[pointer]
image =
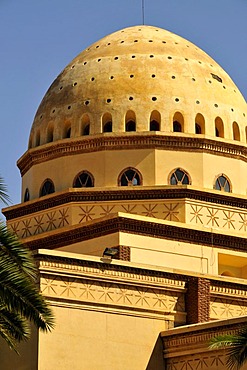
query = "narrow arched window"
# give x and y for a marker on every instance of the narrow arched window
(219, 127)
(68, 133)
(26, 195)
(47, 188)
(50, 134)
(84, 180)
(130, 121)
(177, 127)
(179, 177)
(178, 122)
(86, 130)
(155, 119)
(130, 177)
(235, 131)
(130, 126)
(198, 129)
(107, 127)
(154, 126)
(37, 141)
(107, 122)
(222, 183)
(199, 124)
(85, 124)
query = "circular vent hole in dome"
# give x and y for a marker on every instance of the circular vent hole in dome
(135, 40)
(116, 58)
(53, 111)
(75, 83)
(197, 102)
(153, 76)
(232, 109)
(87, 102)
(173, 77)
(131, 76)
(97, 47)
(99, 60)
(224, 87)
(154, 98)
(169, 57)
(133, 56)
(151, 56)
(193, 79)
(150, 40)
(69, 106)
(163, 42)
(108, 100)
(41, 117)
(84, 63)
(199, 62)
(244, 114)
(73, 66)
(176, 99)
(92, 79)
(131, 98)
(112, 77)
(61, 87)
(109, 43)
(122, 41)
(216, 105)
(186, 59)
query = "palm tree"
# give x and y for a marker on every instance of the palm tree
(236, 348)
(20, 299)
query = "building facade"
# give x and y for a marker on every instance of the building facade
(138, 146)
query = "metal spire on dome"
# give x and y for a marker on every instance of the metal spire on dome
(143, 8)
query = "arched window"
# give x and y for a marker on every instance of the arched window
(47, 188)
(178, 122)
(219, 127)
(222, 183)
(177, 127)
(130, 121)
(86, 130)
(50, 134)
(107, 127)
(84, 180)
(26, 195)
(179, 177)
(155, 119)
(130, 177)
(235, 131)
(85, 124)
(37, 141)
(68, 133)
(199, 124)
(107, 122)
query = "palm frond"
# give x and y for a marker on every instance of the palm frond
(4, 197)
(221, 341)
(237, 353)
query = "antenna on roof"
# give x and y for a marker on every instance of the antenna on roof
(143, 12)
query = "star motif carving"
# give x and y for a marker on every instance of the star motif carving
(149, 210)
(26, 228)
(229, 219)
(196, 215)
(86, 214)
(38, 225)
(129, 208)
(63, 217)
(15, 227)
(107, 210)
(243, 221)
(170, 212)
(69, 288)
(51, 221)
(213, 219)
(48, 286)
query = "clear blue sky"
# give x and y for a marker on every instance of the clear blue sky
(38, 38)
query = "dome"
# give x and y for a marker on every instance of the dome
(140, 74)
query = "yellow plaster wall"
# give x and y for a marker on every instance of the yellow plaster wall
(92, 340)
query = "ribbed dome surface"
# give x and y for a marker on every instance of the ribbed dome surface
(137, 73)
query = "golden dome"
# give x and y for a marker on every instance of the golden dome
(139, 73)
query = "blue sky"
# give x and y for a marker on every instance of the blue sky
(39, 38)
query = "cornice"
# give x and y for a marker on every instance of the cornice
(122, 194)
(127, 142)
(118, 223)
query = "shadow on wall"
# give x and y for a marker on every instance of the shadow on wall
(157, 361)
